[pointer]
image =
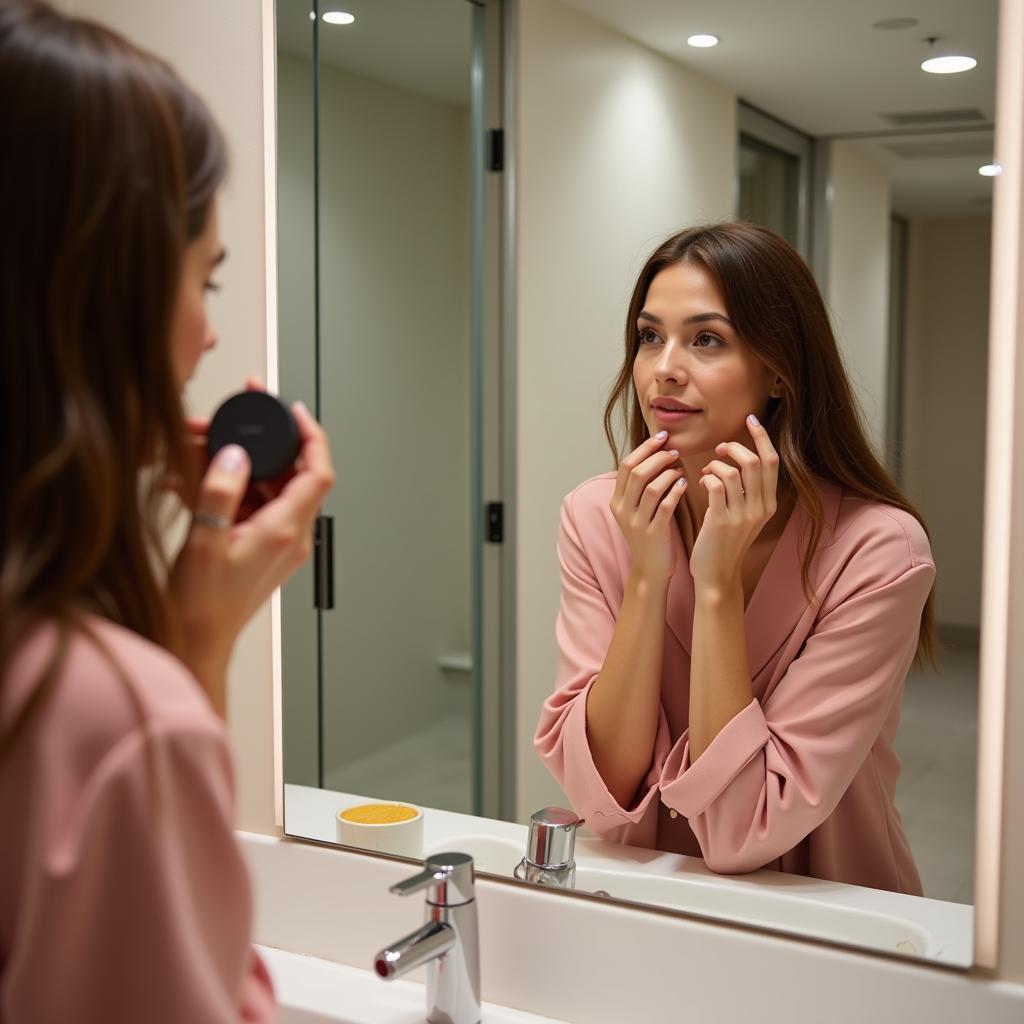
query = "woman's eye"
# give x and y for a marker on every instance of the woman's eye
(707, 336)
(211, 286)
(646, 336)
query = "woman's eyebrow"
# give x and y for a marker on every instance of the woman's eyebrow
(700, 318)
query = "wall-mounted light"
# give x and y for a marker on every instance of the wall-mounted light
(951, 65)
(703, 40)
(338, 17)
(991, 170)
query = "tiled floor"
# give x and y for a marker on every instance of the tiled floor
(432, 769)
(937, 743)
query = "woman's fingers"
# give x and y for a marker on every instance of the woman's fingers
(732, 482)
(716, 495)
(670, 502)
(654, 494)
(641, 476)
(749, 466)
(220, 492)
(641, 452)
(769, 459)
(286, 522)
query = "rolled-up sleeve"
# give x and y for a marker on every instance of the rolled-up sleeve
(583, 631)
(775, 772)
(141, 908)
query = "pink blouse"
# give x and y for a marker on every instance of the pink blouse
(123, 895)
(802, 779)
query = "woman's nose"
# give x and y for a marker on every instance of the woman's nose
(669, 367)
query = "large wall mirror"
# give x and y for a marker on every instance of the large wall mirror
(467, 192)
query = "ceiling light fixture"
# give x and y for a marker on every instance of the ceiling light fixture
(702, 40)
(991, 170)
(951, 65)
(338, 17)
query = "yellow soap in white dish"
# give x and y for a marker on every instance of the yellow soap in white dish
(388, 826)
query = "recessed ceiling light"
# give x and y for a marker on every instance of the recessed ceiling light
(991, 170)
(703, 40)
(338, 17)
(948, 65)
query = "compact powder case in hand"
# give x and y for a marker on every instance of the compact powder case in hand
(263, 425)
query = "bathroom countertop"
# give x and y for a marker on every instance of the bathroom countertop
(310, 814)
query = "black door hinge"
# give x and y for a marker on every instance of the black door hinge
(496, 149)
(323, 563)
(495, 522)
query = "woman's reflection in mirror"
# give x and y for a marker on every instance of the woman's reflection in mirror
(743, 597)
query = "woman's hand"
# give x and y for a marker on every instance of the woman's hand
(258, 493)
(226, 569)
(740, 502)
(648, 490)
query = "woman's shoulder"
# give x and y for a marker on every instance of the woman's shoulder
(110, 679)
(889, 531)
(591, 496)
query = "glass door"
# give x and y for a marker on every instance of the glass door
(384, 692)
(773, 186)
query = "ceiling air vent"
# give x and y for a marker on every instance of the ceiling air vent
(922, 118)
(979, 146)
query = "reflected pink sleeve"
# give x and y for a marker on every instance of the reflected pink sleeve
(584, 628)
(141, 908)
(775, 773)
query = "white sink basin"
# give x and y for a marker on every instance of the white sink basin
(723, 898)
(312, 991)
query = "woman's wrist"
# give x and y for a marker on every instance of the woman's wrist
(647, 586)
(210, 668)
(718, 594)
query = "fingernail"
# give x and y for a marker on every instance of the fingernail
(681, 482)
(660, 435)
(301, 406)
(673, 451)
(232, 458)
(753, 420)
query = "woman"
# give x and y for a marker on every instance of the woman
(123, 896)
(742, 599)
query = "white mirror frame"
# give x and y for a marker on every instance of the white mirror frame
(999, 828)
(998, 825)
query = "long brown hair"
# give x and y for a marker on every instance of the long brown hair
(816, 426)
(108, 169)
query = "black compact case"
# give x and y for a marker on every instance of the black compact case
(263, 425)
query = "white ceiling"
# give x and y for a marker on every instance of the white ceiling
(818, 65)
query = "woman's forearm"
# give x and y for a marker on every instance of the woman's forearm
(622, 707)
(719, 673)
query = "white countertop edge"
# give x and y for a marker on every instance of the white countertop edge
(309, 814)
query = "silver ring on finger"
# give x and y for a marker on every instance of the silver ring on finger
(212, 520)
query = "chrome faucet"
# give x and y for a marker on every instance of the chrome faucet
(550, 848)
(448, 942)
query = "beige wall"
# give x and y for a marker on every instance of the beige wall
(944, 411)
(858, 278)
(618, 147)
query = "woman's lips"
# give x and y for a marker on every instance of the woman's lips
(673, 415)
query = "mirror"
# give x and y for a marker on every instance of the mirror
(467, 193)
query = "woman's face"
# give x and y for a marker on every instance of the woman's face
(690, 353)
(191, 332)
